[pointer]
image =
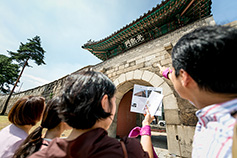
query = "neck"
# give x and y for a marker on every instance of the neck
(55, 132)
(209, 98)
(52, 133)
(77, 132)
(25, 128)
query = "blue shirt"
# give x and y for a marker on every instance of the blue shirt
(214, 131)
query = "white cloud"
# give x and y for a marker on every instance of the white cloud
(28, 81)
(35, 79)
(40, 75)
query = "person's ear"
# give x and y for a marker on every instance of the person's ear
(104, 102)
(186, 79)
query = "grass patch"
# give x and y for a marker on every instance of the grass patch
(3, 121)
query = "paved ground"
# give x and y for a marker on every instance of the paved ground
(159, 141)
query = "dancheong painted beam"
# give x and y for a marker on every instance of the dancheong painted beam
(162, 19)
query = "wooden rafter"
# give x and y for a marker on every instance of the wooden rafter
(187, 7)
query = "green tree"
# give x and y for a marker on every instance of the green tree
(8, 73)
(32, 50)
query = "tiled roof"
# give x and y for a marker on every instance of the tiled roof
(162, 19)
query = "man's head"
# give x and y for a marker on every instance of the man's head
(208, 55)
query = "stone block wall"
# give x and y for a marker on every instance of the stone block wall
(47, 91)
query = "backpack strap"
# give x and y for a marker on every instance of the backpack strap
(124, 149)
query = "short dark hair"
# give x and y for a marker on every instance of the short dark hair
(80, 104)
(27, 110)
(208, 55)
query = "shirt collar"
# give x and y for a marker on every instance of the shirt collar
(215, 111)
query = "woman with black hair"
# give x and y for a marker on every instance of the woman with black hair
(51, 122)
(88, 106)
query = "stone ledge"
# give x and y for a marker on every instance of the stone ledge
(137, 74)
(172, 117)
(147, 75)
(170, 102)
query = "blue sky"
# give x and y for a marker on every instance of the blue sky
(65, 25)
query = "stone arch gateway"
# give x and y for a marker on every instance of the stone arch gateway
(125, 82)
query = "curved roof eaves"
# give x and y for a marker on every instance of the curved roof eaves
(132, 23)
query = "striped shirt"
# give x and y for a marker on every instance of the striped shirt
(214, 131)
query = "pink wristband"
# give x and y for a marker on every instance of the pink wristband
(146, 130)
(166, 72)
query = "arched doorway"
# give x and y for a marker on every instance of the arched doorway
(126, 119)
(125, 82)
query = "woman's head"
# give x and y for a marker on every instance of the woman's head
(27, 110)
(50, 117)
(81, 100)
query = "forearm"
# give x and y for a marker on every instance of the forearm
(147, 145)
(145, 133)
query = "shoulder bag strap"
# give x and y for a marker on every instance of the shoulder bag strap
(124, 149)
